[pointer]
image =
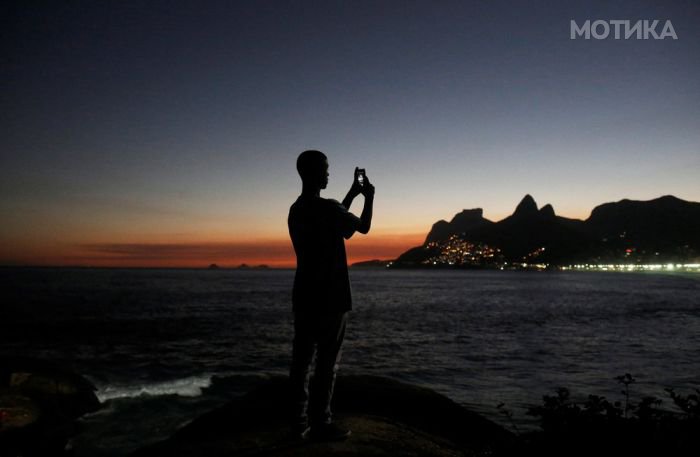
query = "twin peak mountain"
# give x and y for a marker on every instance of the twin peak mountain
(660, 230)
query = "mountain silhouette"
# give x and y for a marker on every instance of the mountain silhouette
(666, 225)
(527, 208)
(547, 211)
(466, 221)
(663, 229)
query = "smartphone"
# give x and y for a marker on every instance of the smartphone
(361, 176)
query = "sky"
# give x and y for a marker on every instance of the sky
(165, 133)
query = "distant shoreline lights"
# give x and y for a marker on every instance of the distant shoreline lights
(694, 267)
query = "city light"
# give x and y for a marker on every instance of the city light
(684, 267)
(458, 252)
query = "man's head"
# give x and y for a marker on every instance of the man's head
(312, 166)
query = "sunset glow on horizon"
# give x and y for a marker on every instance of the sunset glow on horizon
(274, 253)
(162, 135)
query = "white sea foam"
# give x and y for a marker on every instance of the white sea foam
(185, 387)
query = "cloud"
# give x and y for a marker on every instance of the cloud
(188, 253)
(214, 251)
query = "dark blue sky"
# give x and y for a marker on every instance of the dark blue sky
(181, 121)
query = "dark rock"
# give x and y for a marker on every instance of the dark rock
(527, 207)
(415, 256)
(662, 224)
(547, 211)
(375, 263)
(664, 229)
(441, 230)
(39, 402)
(387, 418)
(463, 222)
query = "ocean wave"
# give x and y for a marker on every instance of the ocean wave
(184, 387)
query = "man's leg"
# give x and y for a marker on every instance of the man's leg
(302, 355)
(331, 333)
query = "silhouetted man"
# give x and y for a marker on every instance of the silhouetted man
(321, 298)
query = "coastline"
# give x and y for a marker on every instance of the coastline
(479, 338)
(389, 417)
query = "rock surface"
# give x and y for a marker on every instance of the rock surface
(386, 417)
(39, 402)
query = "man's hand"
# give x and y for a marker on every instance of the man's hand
(356, 188)
(367, 189)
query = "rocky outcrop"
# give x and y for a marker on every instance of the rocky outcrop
(374, 263)
(547, 211)
(666, 229)
(466, 221)
(661, 224)
(387, 418)
(39, 402)
(526, 208)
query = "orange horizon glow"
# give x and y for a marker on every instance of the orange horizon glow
(188, 247)
(274, 253)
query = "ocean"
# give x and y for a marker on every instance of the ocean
(165, 345)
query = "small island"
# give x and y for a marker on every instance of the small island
(245, 266)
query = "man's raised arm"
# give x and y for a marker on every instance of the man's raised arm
(366, 216)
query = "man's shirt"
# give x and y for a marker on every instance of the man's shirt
(318, 227)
